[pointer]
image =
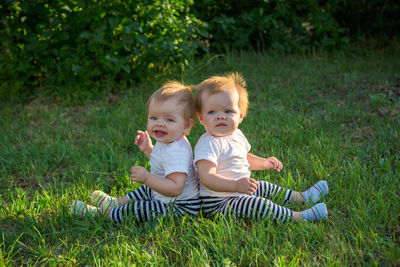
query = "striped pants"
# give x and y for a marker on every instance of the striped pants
(256, 206)
(144, 207)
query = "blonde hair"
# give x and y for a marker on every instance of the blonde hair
(182, 92)
(216, 84)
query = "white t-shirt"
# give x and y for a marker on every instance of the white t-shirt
(228, 153)
(175, 157)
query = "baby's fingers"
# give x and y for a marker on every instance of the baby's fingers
(137, 140)
(252, 186)
(252, 181)
(280, 166)
(252, 189)
(146, 135)
(141, 137)
(277, 165)
(142, 134)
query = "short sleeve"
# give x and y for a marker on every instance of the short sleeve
(176, 159)
(244, 140)
(248, 146)
(206, 149)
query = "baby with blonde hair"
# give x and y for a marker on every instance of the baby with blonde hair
(171, 184)
(224, 163)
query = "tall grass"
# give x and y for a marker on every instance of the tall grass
(325, 117)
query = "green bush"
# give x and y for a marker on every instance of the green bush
(379, 19)
(285, 26)
(91, 45)
(290, 26)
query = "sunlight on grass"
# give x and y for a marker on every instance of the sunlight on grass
(324, 117)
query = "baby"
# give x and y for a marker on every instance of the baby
(224, 163)
(172, 184)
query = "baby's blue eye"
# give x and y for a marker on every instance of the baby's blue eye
(211, 112)
(153, 118)
(228, 111)
(171, 120)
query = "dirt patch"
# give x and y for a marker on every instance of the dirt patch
(33, 182)
(361, 133)
(113, 99)
(360, 90)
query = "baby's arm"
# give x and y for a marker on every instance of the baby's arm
(170, 186)
(143, 141)
(257, 163)
(209, 177)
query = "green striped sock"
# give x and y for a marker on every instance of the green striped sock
(316, 192)
(80, 209)
(316, 213)
(103, 201)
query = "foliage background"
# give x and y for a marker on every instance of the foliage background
(81, 48)
(78, 46)
(297, 26)
(324, 86)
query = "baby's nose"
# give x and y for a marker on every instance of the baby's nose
(220, 116)
(160, 123)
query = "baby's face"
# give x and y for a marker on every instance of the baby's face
(165, 121)
(220, 114)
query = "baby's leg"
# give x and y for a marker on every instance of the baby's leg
(311, 196)
(142, 193)
(141, 210)
(81, 209)
(316, 192)
(316, 213)
(149, 208)
(268, 190)
(255, 207)
(211, 205)
(187, 206)
(260, 208)
(106, 202)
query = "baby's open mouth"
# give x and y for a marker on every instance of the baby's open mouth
(159, 133)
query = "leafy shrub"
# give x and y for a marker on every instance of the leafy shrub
(92, 45)
(285, 26)
(379, 19)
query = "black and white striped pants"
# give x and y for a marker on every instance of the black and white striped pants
(144, 207)
(257, 205)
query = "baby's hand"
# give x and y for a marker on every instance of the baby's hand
(273, 164)
(246, 186)
(139, 174)
(143, 141)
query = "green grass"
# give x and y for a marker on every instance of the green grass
(325, 117)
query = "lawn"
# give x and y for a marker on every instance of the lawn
(331, 117)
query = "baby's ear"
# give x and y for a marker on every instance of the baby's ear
(189, 124)
(199, 117)
(241, 117)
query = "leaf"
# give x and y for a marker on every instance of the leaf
(112, 22)
(141, 39)
(112, 59)
(99, 37)
(126, 68)
(84, 35)
(76, 68)
(65, 7)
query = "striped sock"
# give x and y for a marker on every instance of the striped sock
(103, 201)
(316, 192)
(316, 213)
(80, 209)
